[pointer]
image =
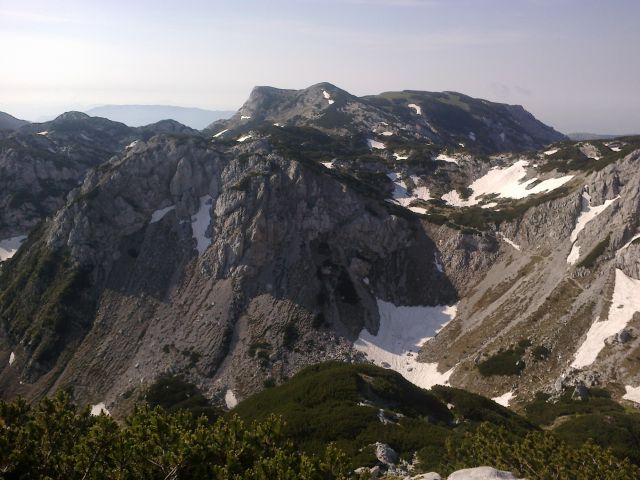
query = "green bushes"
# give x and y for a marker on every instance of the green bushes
(505, 362)
(543, 411)
(56, 440)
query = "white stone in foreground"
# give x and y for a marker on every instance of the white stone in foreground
(625, 302)
(481, 473)
(230, 399)
(402, 332)
(99, 409)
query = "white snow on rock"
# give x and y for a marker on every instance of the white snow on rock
(624, 303)
(481, 473)
(400, 156)
(506, 183)
(375, 144)
(220, 133)
(200, 222)
(402, 196)
(489, 205)
(443, 157)
(588, 213)
(132, 144)
(633, 393)
(420, 210)
(574, 254)
(387, 134)
(159, 214)
(99, 409)
(244, 137)
(626, 245)
(12, 358)
(472, 136)
(327, 96)
(245, 117)
(402, 332)
(510, 242)
(43, 133)
(504, 399)
(417, 108)
(551, 152)
(230, 399)
(10, 246)
(615, 149)
(328, 164)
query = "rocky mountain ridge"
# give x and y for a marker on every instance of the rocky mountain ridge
(237, 259)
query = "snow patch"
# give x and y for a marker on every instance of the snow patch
(375, 144)
(99, 409)
(402, 196)
(132, 144)
(417, 108)
(220, 133)
(387, 134)
(510, 242)
(159, 214)
(200, 223)
(402, 332)
(443, 157)
(244, 137)
(506, 183)
(504, 399)
(626, 245)
(12, 358)
(624, 303)
(328, 97)
(400, 156)
(588, 213)
(574, 254)
(245, 117)
(551, 152)
(10, 246)
(43, 133)
(230, 399)
(472, 136)
(329, 165)
(633, 393)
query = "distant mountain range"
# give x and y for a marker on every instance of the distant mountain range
(7, 122)
(140, 115)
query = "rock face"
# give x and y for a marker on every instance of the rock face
(7, 122)
(41, 163)
(481, 473)
(238, 262)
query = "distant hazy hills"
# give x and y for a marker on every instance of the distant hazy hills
(140, 115)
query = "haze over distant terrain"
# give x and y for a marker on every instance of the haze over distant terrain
(570, 62)
(141, 115)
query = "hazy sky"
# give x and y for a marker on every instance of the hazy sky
(573, 63)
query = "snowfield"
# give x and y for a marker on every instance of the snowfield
(624, 303)
(504, 399)
(417, 108)
(230, 399)
(574, 254)
(376, 144)
(98, 409)
(505, 183)
(588, 213)
(551, 152)
(244, 138)
(220, 133)
(327, 96)
(200, 222)
(10, 246)
(403, 330)
(633, 393)
(446, 158)
(402, 196)
(159, 214)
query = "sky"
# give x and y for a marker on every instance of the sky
(572, 63)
